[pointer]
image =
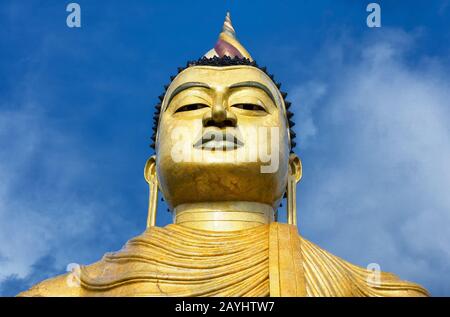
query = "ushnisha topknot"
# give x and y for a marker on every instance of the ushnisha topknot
(227, 44)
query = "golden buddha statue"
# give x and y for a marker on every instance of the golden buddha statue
(224, 161)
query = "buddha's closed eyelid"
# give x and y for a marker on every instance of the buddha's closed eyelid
(186, 86)
(191, 107)
(189, 100)
(249, 107)
(251, 96)
(254, 84)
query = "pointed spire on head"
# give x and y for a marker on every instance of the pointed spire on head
(227, 44)
(228, 26)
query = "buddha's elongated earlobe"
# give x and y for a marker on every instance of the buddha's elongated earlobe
(294, 176)
(152, 180)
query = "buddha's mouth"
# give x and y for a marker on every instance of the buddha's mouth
(221, 141)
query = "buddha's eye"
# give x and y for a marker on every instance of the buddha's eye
(191, 107)
(249, 106)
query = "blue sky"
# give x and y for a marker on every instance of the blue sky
(372, 116)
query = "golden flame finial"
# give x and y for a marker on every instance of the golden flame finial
(228, 26)
(227, 44)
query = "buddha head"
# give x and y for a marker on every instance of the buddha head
(222, 131)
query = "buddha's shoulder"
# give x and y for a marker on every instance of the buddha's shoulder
(66, 285)
(340, 278)
(59, 286)
(70, 285)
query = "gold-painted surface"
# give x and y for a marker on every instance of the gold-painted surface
(224, 241)
(185, 259)
(267, 260)
(286, 263)
(150, 177)
(295, 175)
(223, 216)
(228, 34)
(213, 178)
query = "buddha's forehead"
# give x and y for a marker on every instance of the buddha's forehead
(223, 74)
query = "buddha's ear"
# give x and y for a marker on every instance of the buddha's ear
(150, 169)
(295, 167)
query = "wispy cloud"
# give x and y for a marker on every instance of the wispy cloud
(376, 149)
(42, 209)
(53, 210)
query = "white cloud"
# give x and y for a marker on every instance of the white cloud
(377, 172)
(38, 207)
(308, 96)
(55, 203)
(49, 203)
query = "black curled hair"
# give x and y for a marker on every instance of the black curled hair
(222, 62)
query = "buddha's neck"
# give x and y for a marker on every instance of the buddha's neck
(223, 216)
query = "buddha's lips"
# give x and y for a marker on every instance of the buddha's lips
(212, 140)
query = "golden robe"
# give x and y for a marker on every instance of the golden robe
(268, 260)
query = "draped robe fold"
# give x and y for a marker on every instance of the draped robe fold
(268, 260)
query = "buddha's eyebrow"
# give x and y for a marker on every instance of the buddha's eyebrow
(185, 86)
(254, 84)
(244, 84)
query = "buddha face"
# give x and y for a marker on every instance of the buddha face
(222, 136)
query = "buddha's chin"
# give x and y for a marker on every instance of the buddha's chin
(185, 182)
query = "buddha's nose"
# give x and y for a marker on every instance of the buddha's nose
(219, 117)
